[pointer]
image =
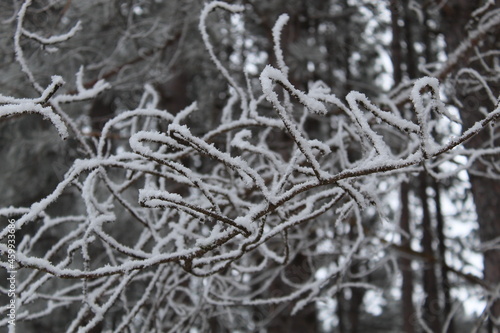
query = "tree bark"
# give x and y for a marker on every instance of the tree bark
(432, 309)
(455, 16)
(304, 321)
(408, 309)
(405, 263)
(396, 51)
(445, 284)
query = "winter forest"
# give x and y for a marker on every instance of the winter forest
(250, 166)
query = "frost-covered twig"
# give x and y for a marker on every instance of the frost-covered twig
(37, 105)
(194, 223)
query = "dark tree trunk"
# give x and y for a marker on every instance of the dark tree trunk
(357, 295)
(445, 284)
(408, 309)
(455, 16)
(396, 51)
(431, 310)
(305, 321)
(405, 263)
(430, 56)
(340, 311)
(354, 308)
(431, 307)
(411, 58)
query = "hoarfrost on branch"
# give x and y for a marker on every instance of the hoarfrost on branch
(193, 238)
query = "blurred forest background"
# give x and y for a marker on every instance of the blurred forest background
(435, 269)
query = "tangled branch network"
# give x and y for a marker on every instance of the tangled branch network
(178, 228)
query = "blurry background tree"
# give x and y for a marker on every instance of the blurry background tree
(173, 231)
